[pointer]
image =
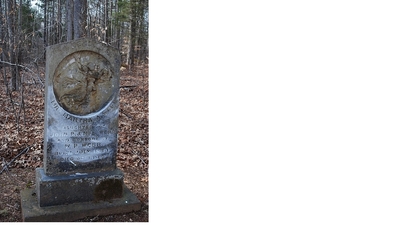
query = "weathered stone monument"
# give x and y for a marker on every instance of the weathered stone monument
(79, 177)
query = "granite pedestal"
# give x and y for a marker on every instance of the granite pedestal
(63, 213)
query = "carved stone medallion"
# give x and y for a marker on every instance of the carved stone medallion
(83, 82)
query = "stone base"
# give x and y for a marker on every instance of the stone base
(79, 187)
(31, 212)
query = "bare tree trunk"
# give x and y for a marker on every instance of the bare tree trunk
(11, 40)
(59, 28)
(115, 27)
(18, 50)
(1, 23)
(106, 21)
(70, 9)
(45, 31)
(53, 30)
(129, 54)
(77, 18)
(84, 16)
(97, 19)
(132, 34)
(111, 25)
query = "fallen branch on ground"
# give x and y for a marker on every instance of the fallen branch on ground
(127, 86)
(19, 154)
(94, 218)
(137, 154)
(130, 117)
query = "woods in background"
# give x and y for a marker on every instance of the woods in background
(27, 27)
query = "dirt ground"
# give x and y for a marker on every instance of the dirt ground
(21, 141)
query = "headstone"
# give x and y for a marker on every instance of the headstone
(79, 177)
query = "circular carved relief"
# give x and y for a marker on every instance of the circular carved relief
(83, 82)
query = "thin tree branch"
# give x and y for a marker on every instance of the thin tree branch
(24, 67)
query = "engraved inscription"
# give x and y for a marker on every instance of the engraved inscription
(83, 82)
(55, 105)
(76, 119)
(83, 140)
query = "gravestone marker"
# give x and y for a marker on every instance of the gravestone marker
(79, 177)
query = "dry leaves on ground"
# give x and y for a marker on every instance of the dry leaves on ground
(21, 125)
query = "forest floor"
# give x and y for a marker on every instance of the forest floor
(21, 141)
